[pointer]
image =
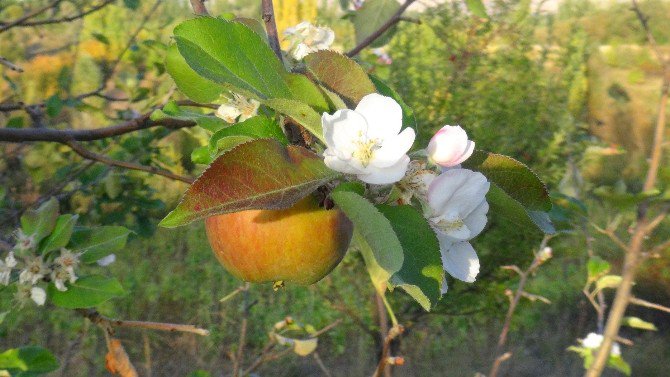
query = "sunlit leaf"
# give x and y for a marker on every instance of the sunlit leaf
(340, 74)
(260, 174)
(371, 16)
(41, 221)
(30, 359)
(98, 242)
(638, 323)
(300, 112)
(194, 86)
(597, 267)
(60, 236)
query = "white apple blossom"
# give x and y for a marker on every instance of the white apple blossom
(450, 147)
(63, 269)
(27, 292)
(305, 38)
(367, 141)
(23, 241)
(6, 267)
(34, 271)
(457, 212)
(106, 261)
(593, 341)
(416, 182)
(238, 106)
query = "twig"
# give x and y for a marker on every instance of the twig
(393, 333)
(85, 153)
(514, 302)
(268, 15)
(81, 14)
(28, 16)
(660, 247)
(394, 19)
(105, 322)
(647, 304)
(636, 245)
(10, 65)
(199, 7)
(321, 365)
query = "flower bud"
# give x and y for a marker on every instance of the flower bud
(450, 147)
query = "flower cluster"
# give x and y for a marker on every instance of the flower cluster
(32, 269)
(238, 107)
(369, 143)
(305, 38)
(593, 341)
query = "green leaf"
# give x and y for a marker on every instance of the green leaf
(202, 155)
(60, 235)
(254, 25)
(351, 186)
(31, 359)
(131, 4)
(608, 281)
(638, 323)
(371, 16)
(86, 292)
(618, 363)
(195, 87)
(514, 212)
(596, 268)
(173, 111)
(299, 112)
(95, 243)
(54, 105)
(304, 90)
(408, 118)
(230, 53)
(260, 174)
(375, 229)
(515, 178)
(477, 8)
(340, 74)
(422, 273)
(101, 38)
(41, 221)
(258, 127)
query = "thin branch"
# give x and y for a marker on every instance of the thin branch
(199, 7)
(321, 365)
(394, 19)
(268, 15)
(393, 333)
(647, 304)
(28, 16)
(660, 247)
(81, 14)
(85, 153)
(612, 236)
(106, 322)
(10, 65)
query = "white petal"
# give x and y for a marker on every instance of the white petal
(106, 261)
(300, 51)
(460, 260)
(38, 295)
(383, 114)
(459, 190)
(393, 148)
(60, 285)
(476, 220)
(341, 130)
(384, 176)
(338, 164)
(228, 113)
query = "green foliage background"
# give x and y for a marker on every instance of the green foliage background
(557, 91)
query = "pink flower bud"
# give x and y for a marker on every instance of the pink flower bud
(450, 146)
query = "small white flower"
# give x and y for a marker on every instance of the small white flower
(457, 213)
(416, 182)
(34, 271)
(450, 147)
(594, 341)
(6, 267)
(545, 254)
(64, 269)
(383, 57)
(106, 261)
(367, 141)
(238, 106)
(24, 242)
(306, 38)
(27, 292)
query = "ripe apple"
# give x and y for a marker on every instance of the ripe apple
(301, 244)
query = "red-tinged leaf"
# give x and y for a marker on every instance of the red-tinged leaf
(260, 174)
(340, 74)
